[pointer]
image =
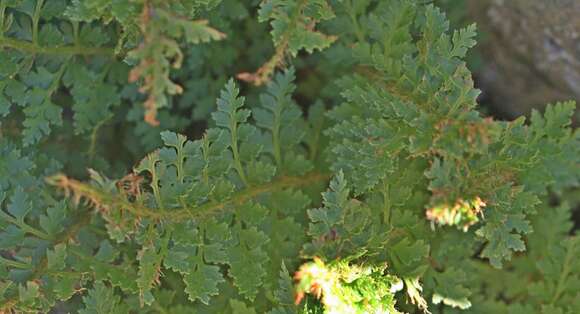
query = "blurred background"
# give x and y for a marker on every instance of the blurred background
(528, 51)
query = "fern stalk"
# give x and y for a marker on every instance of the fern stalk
(32, 48)
(102, 199)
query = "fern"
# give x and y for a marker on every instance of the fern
(293, 29)
(390, 193)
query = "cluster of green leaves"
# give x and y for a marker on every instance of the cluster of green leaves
(346, 288)
(75, 58)
(429, 207)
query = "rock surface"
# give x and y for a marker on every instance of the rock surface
(530, 51)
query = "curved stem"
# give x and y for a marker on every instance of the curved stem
(33, 48)
(15, 264)
(386, 202)
(94, 135)
(183, 213)
(2, 18)
(156, 189)
(24, 226)
(56, 81)
(565, 272)
(205, 153)
(235, 151)
(75, 26)
(353, 19)
(36, 20)
(276, 138)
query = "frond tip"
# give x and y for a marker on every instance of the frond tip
(78, 191)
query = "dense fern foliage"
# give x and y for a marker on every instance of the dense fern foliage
(346, 170)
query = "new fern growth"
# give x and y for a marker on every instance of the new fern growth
(391, 193)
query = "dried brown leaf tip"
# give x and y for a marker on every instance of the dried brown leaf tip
(160, 51)
(130, 185)
(78, 191)
(293, 30)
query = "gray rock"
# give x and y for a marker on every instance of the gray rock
(531, 52)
